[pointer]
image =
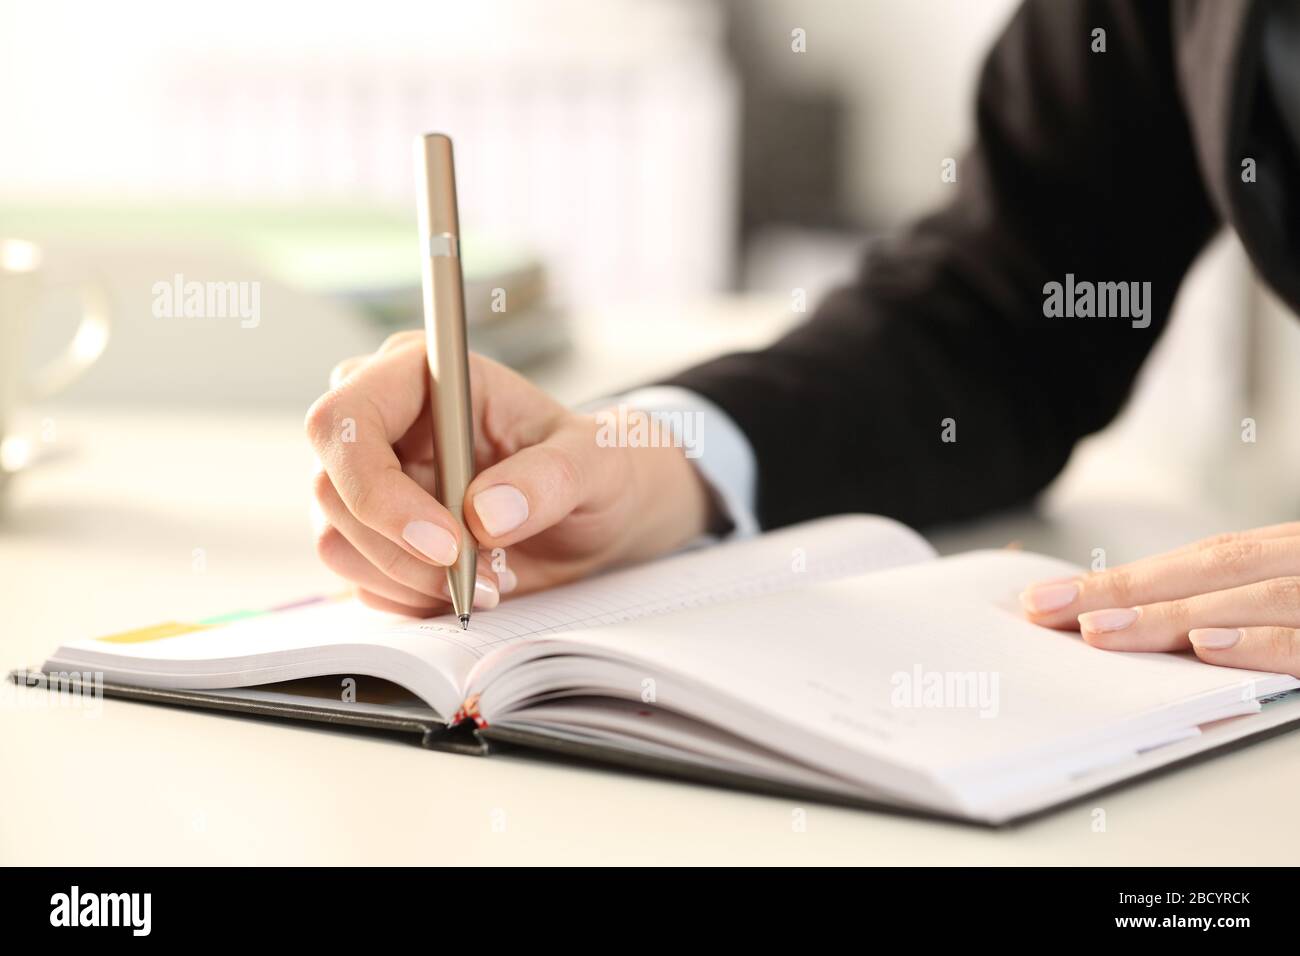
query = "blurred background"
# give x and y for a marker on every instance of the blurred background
(642, 182)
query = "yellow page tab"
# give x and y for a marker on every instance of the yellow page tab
(155, 632)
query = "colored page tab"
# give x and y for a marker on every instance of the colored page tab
(156, 632)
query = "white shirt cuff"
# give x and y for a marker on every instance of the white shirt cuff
(712, 442)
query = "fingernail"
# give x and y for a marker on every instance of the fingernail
(433, 542)
(501, 508)
(1214, 638)
(507, 580)
(1049, 597)
(1111, 619)
(485, 594)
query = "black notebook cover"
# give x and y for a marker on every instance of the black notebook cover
(434, 734)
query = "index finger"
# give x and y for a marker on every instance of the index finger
(1214, 565)
(353, 428)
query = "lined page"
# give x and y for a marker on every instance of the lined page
(349, 638)
(793, 557)
(930, 669)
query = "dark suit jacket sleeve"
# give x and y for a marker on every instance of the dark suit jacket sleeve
(1083, 164)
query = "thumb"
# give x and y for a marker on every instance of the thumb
(534, 488)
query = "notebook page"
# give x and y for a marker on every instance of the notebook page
(793, 557)
(929, 667)
(349, 638)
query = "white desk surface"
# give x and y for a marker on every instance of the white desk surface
(104, 538)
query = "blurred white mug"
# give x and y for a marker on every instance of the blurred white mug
(22, 286)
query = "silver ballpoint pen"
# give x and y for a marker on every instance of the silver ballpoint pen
(448, 352)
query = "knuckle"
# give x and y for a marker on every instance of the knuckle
(567, 471)
(340, 372)
(364, 505)
(1178, 613)
(399, 339)
(322, 487)
(1118, 584)
(1217, 540)
(1283, 642)
(320, 419)
(393, 562)
(329, 544)
(1283, 593)
(1230, 557)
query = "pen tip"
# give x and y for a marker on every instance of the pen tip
(464, 622)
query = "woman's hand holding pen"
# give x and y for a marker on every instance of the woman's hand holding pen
(560, 505)
(1234, 599)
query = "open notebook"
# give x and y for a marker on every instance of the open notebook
(841, 658)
